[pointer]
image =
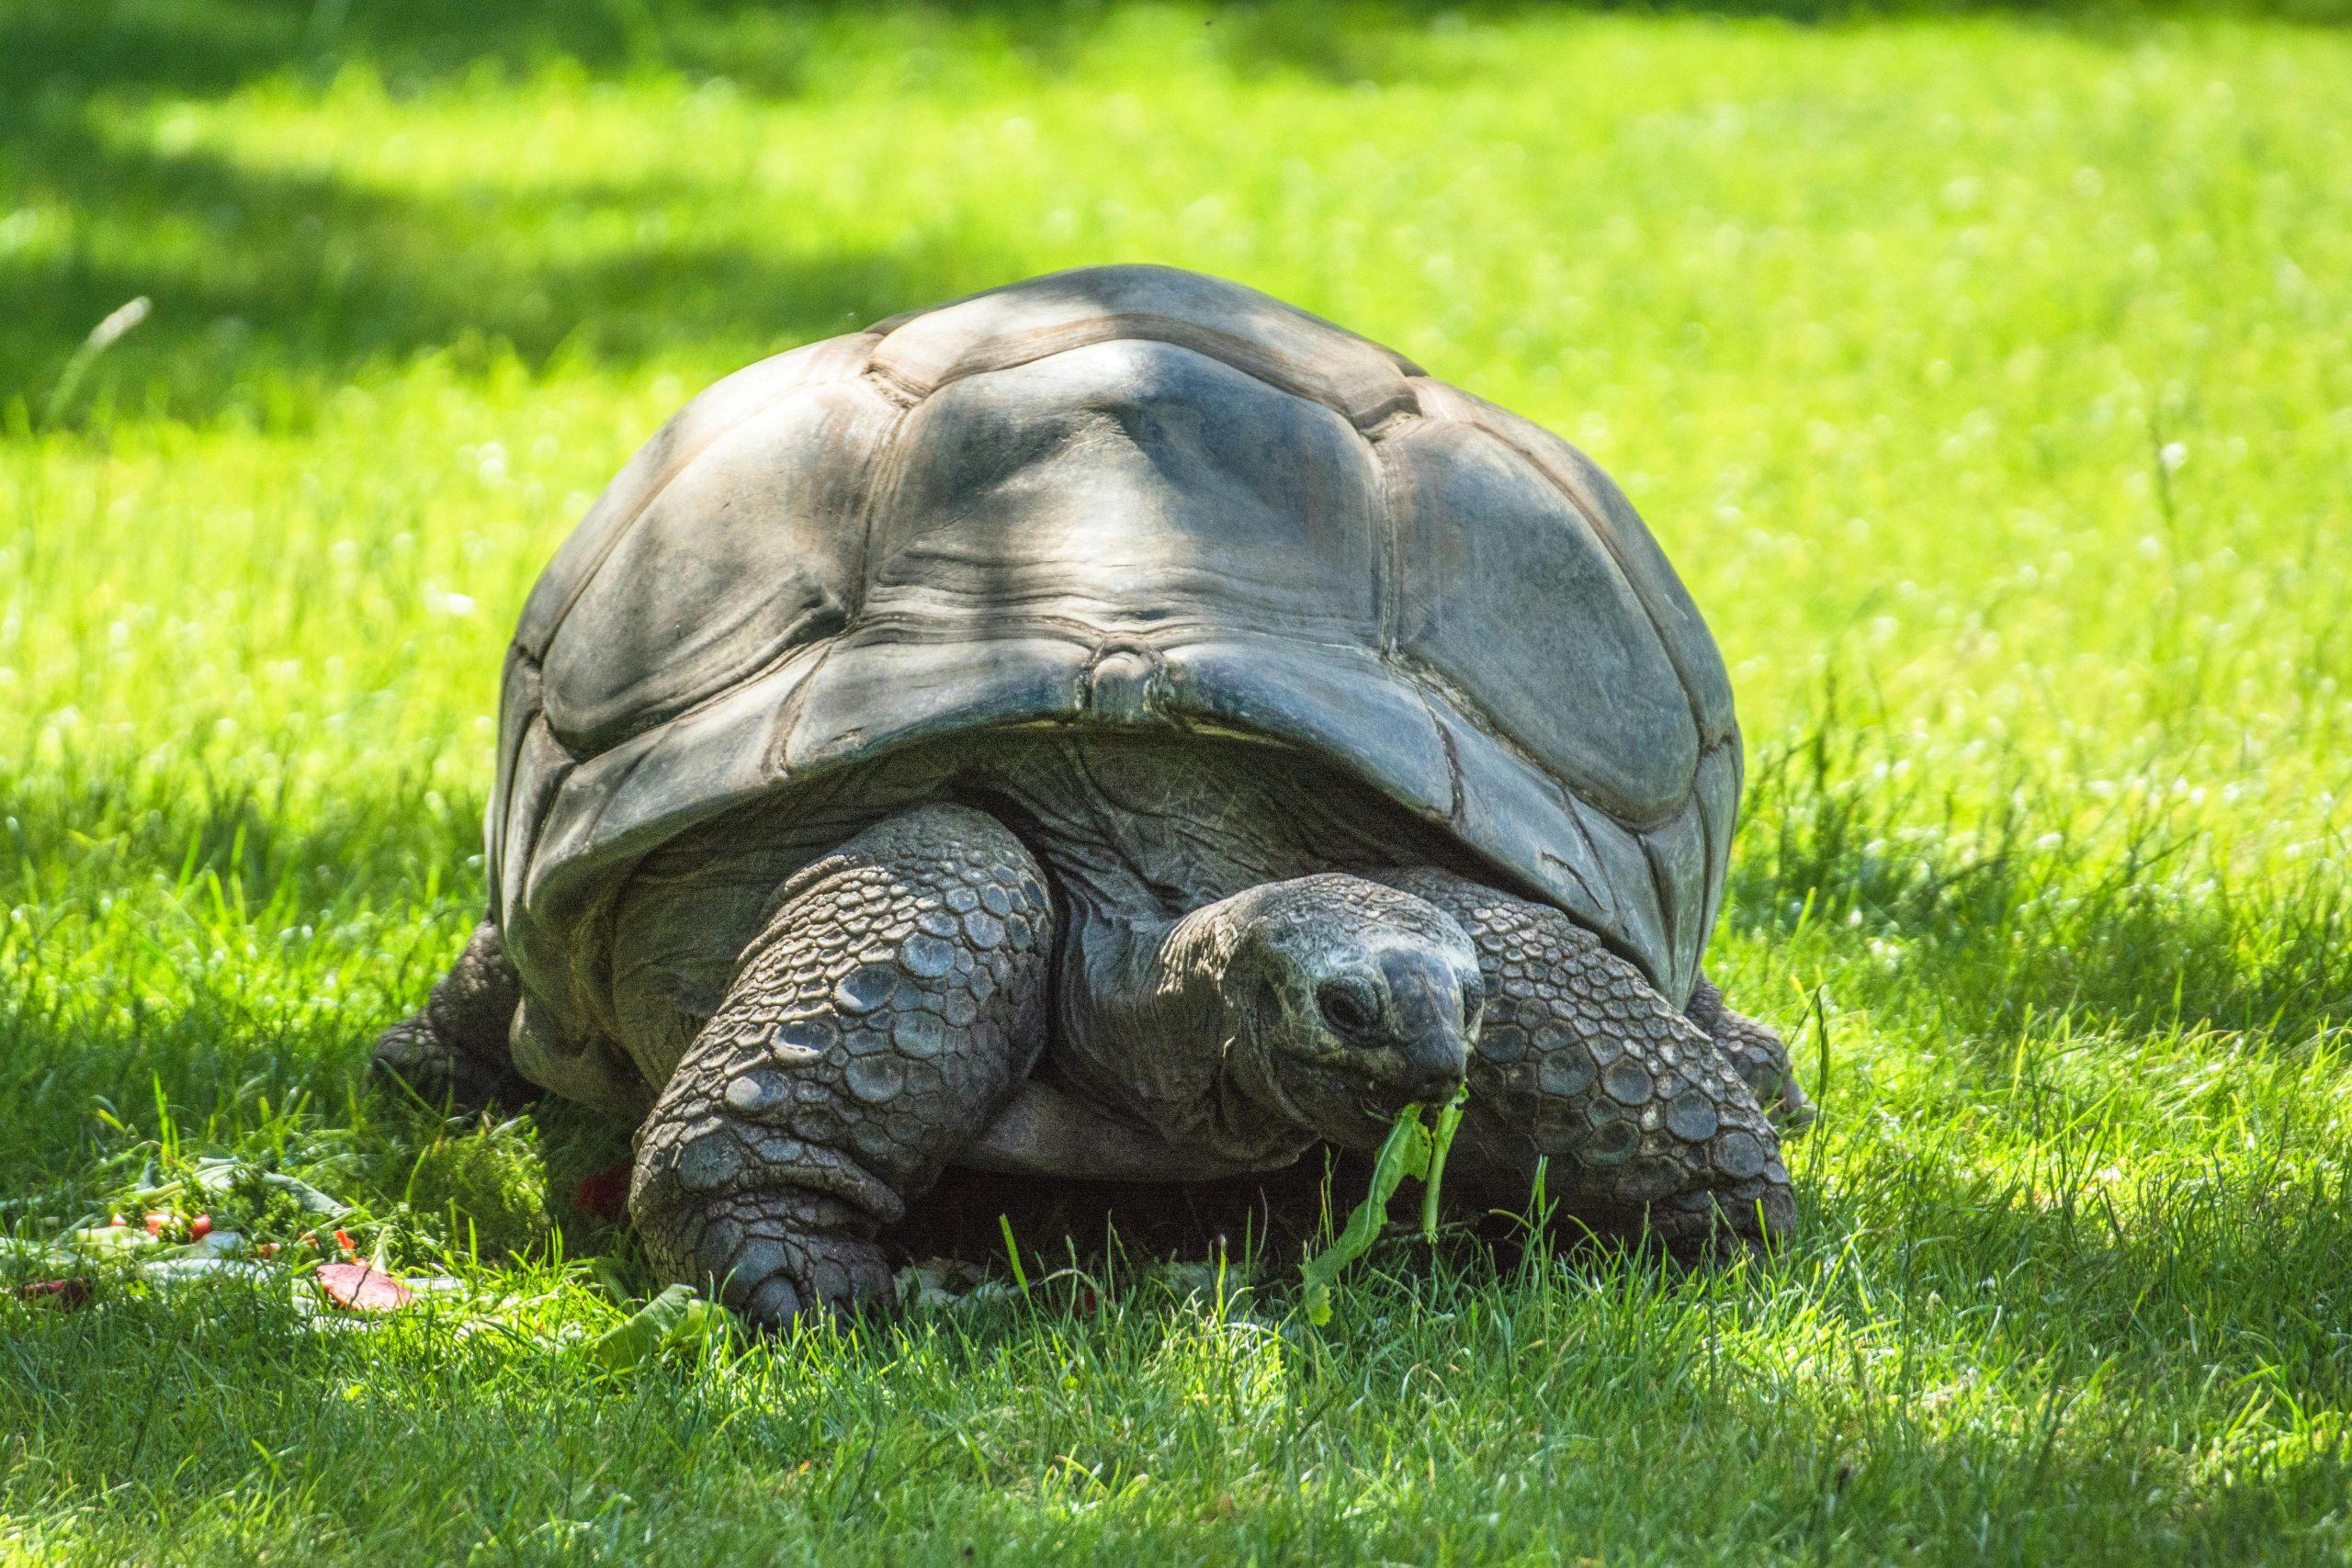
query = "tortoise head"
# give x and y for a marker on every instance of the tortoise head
(1346, 1002)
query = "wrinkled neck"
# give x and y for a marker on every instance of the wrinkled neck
(1148, 1026)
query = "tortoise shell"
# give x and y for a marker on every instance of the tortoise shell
(1126, 496)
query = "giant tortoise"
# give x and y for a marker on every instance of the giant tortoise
(1115, 726)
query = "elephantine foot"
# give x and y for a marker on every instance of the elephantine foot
(1758, 1056)
(769, 1255)
(455, 1050)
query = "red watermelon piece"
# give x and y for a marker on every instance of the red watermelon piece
(358, 1287)
(66, 1293)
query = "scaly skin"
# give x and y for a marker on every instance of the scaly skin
(455, 1048)
(1581, 1063)
(874, 1028)
(1758, 1056)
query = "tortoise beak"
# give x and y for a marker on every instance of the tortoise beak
(1408, 1025)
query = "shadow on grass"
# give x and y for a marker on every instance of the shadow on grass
(293, 283)
(199, 47)
(2107, 1423)
(255, 275)
(2133, 922)
(2231, 1261)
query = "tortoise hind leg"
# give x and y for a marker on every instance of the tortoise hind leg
(455, 1048)
(875, 1026)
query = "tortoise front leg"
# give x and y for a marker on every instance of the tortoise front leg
(876, 1025)
(1581, 1063)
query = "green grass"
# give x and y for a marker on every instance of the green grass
(1989, 376)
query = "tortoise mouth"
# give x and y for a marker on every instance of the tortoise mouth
(1348, 1109)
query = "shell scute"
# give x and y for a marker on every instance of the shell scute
(747, 553)
(1483, 543)
(1129, 485)
(1278, 343)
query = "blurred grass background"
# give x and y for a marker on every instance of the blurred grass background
(1985, 370)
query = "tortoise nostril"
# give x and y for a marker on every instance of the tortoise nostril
(1348, 1006)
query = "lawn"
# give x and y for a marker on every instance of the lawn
(1989, 376)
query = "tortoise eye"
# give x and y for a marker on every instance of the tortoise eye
(1348, 1006)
